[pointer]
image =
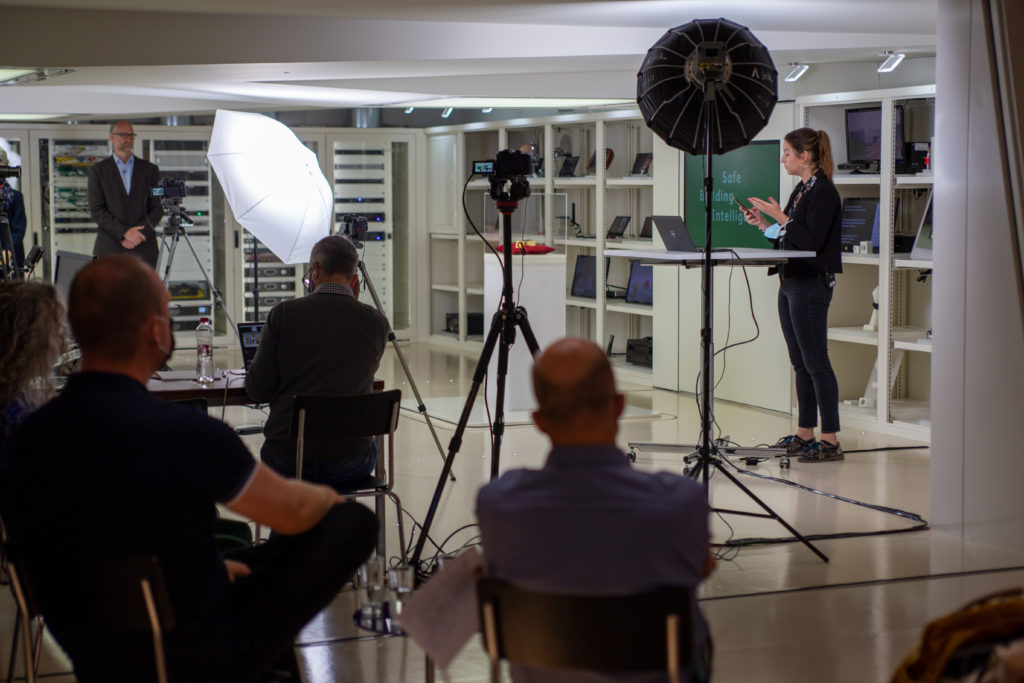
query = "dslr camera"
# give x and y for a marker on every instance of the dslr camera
(170, 189)
(507, 174)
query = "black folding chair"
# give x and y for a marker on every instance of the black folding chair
(319, 419)
(643, 632)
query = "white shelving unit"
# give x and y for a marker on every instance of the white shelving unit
(568, 212)
(900, 349)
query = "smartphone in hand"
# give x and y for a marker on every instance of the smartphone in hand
(740, 204)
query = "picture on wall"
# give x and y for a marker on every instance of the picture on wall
(750, 171)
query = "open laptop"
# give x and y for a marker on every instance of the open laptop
(674, 233)
(250, 334)
(618, 228)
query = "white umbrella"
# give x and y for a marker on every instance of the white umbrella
(273, 183)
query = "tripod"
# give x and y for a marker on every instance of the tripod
(503, 329)
(401, 357)
(177, 221)
(707, 454)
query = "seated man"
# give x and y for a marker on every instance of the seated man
(588, 523)
(108, 470)
(324, 344)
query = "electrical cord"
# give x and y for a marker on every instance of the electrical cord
(465, 210)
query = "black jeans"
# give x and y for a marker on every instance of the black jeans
(803, 314)
(293, 578)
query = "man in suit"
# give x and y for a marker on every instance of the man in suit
(121, 201)
(324, 344)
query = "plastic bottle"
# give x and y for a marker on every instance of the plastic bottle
(204, 351)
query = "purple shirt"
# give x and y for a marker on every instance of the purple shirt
(588, 523)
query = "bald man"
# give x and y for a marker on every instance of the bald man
(108, 470)
(588, 523)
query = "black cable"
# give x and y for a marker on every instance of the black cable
(469, 218)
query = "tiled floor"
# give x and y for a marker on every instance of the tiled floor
(777, 612)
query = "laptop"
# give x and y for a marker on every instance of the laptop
(646, 230)
(250, 334)
(922, 249)
(674, 233)
(618, 228)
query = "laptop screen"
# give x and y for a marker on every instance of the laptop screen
(250, 334)
(584, 279)
(860, 218)
(640, 289)
(618, 227)
(67, 266)
(922, 250)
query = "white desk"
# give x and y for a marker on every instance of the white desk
(747, 255)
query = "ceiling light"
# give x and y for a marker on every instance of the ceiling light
(487, 110)
(447, 112)
(796, 71)
(409, 110)
(13, 76)
(892, 60)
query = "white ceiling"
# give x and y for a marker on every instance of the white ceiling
(274, 54)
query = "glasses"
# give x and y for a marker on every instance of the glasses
(307, 279)
(126, 135)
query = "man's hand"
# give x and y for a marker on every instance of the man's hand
(133, 237)
(236, 569)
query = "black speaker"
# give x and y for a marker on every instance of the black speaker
(474, 323)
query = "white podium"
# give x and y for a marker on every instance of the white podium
(541, 291)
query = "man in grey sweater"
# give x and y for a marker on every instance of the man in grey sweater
(323, 344)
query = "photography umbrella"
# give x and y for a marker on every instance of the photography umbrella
(708, 87)
(720, 53)
(273, 183)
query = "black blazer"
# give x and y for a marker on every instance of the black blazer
(115, 211)
(814, 226)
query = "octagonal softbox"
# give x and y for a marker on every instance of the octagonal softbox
(670, 89)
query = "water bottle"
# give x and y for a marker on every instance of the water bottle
(204, 351)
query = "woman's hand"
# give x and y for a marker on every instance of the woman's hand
(755, 218)
(770, 207)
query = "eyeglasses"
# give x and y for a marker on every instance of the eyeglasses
(125, 135)
(307, 279)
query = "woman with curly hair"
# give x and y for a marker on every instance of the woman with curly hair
(31, 339)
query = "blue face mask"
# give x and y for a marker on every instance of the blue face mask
(772, 231)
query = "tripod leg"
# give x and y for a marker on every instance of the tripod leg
(170, 257)
(498, 431)
(401, 359)
(218, 299)
(523, 321)
(456, 442)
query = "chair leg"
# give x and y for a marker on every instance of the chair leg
(30, 670)
(382, 533)
(12, 662)
(401, 526)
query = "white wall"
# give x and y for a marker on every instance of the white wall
(978, 356)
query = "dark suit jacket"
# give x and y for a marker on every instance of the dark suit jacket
(115, 211)
(323, 344)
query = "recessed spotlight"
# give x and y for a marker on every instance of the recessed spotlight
(892, 60)
(409, 110)
(487, 110)
(447, 112)
(796, 71)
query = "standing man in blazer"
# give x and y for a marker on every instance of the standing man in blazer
(121, 201)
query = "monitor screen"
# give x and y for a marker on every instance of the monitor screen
(640, 289)
(859, 223)
(68, 263)
(645, 231)
(584, 279)
(863, 134)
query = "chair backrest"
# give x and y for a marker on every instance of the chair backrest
(129, 593)
(649, 631)
(329, 417)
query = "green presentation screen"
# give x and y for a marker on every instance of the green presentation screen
(751, 171)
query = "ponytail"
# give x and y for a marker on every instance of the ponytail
(825, 162)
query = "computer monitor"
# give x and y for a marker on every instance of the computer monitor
(250, 334)
(864, 135)
(584, 279)
(922, 249)
(640, 289)
(618, 227)
(859, 222)
(67, 264)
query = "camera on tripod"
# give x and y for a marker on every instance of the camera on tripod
(507, 174)
(170, 189)
(354, 227)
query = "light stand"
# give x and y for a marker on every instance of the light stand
(394, 344)
(506, 190)
(675, 68)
